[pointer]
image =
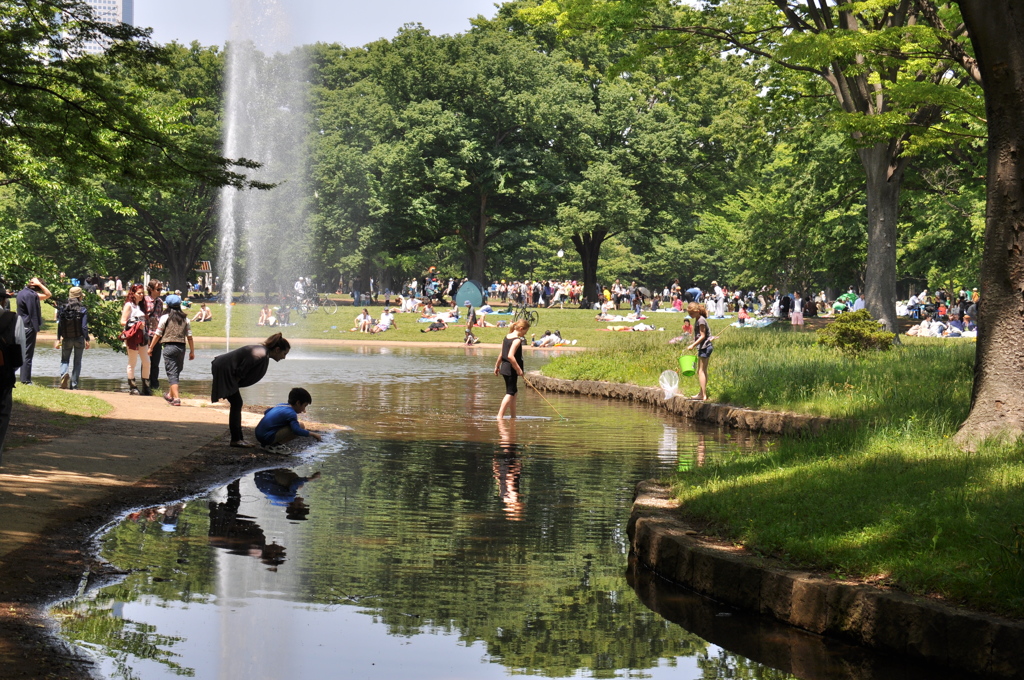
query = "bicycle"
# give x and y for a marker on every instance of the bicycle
(523, 313)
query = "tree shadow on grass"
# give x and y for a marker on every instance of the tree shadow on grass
(920, 514)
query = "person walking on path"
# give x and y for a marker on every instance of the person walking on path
(240, 368)
(702, 343)
(154, 308)
(12, 349)
(28, 301)
(510, 366)
(173, 331)
(133, 319)
(72, 337)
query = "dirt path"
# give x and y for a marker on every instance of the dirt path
(55, 494)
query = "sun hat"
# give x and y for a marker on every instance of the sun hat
(76, 292)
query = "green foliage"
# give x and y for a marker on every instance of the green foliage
(855, 333)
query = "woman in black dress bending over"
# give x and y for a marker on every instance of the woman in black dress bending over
(239, 368)
(510, 366)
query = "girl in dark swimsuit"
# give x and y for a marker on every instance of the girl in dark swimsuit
(510, 366)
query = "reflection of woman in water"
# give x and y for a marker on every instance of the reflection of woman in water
(240, 535)
(510, 366)
(507, 469)
(240, 368)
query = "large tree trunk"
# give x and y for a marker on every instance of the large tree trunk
(476, 244)
(588, 245)
(884, 178)
(997, 403)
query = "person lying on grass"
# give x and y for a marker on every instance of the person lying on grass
(438, 325)
(280, 424)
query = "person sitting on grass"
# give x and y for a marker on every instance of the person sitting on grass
(280, 424)
(364, 322)
(743, 315)
(266, 317)
(204, 314)
(387, 321)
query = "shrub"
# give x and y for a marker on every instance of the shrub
(855, 333)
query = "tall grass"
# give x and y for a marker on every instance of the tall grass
(885, 497)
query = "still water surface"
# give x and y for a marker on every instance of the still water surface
(427, 543)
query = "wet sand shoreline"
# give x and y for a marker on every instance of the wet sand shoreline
(56, 495)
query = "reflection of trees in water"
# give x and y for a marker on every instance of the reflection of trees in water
(429, 538)
(418, 533)
(176, 567)
(91, 623)
(728, 665)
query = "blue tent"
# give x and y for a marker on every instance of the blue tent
(471, 292)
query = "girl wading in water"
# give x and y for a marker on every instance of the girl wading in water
(240, 368)
(510, 366)
(702, 343)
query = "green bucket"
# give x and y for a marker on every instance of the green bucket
(688, 364)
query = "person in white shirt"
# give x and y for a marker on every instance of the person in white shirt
(719, 299)
(387, 321)
(364, 321)
(796, 314)
(859, 303)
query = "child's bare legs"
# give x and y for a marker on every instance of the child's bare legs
(702, 378)
(508, 403)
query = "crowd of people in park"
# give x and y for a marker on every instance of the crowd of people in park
(156, 330)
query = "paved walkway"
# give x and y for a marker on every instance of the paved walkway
(41, 483)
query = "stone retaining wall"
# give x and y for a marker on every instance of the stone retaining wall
(881, 619)
(771, 422)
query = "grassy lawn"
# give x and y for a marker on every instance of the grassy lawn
(62, 402)
(573, 323)
(41, 414)
(886, 498)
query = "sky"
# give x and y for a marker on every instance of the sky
(349, 22)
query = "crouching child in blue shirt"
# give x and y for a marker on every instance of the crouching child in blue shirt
(280, 424)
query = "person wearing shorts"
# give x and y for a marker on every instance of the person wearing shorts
(702, 343)
(510, 366)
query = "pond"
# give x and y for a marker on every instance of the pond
(428, 542)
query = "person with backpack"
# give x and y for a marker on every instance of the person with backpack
(12, 348)
(72, 336)
(173, 331)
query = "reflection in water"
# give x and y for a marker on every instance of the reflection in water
(239, 534)
(507, 469)
(432, 544)
(281, 487)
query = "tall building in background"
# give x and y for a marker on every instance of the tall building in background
(112, 12)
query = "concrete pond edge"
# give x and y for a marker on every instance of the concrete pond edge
(770, 422)
(885, 620)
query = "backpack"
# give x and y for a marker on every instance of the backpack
(10, 351)
(69, 318)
